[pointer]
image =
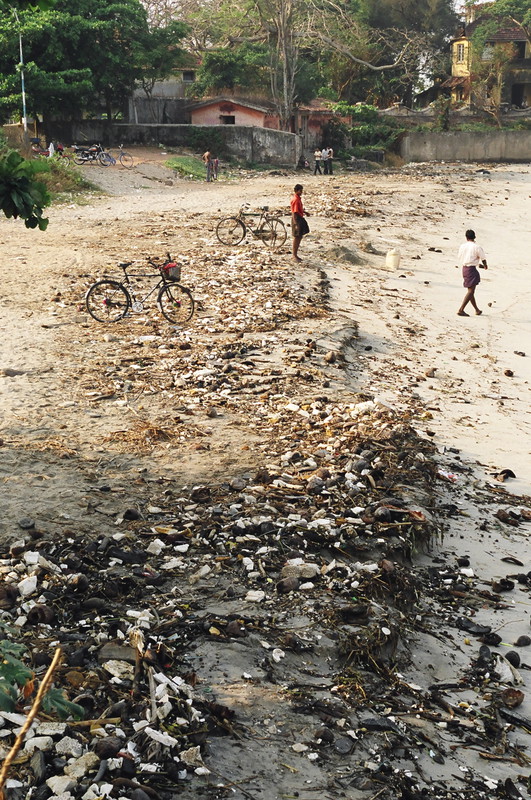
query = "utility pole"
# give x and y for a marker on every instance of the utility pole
(24, 118)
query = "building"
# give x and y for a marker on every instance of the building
(516, 79)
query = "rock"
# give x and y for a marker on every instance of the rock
(38, 765)
(108, 747)
(59, 784)
(82, 765)
(68, 746)
(43, 743)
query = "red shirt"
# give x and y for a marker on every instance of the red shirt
(296, 205)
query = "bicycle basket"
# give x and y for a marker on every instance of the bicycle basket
(172, 271)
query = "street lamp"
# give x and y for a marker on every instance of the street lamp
(24, 118)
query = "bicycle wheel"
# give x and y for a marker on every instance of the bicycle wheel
(273, 232)
(107, 301)
(176, 303)
(230, 230)
(79, 159)
(106, 159)
(126, 160)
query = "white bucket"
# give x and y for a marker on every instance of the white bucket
(392, 259)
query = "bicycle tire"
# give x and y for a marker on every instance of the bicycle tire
(126, 160)
(230, 231)
(105, 159)
(176, 303)
(107, 301)
(80, 160)
(266, 233)
(278, 233)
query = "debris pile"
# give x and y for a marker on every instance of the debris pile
(282, 603)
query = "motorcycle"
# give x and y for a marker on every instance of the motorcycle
(38, 151)
(95, 154)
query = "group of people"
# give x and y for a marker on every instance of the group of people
(211, 165)
(324, 158)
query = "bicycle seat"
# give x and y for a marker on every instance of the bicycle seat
(125, 264)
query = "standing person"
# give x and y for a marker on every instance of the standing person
(299, 226)
(324, 159)
(207, 158)
(215, 168)
(317, 157)
(330, 160)
(470, 257)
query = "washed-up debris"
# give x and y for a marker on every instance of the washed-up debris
(276, 563)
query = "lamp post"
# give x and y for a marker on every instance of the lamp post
(24, 118)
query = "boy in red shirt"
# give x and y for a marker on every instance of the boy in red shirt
(299, 226)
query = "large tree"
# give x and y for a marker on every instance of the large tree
(82, 55)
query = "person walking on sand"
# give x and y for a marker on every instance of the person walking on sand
(207, 158)
(470, 257)
(299, 226)
(317, 157)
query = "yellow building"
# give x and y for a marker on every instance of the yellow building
(516, 80)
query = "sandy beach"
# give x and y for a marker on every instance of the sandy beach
(87, 405)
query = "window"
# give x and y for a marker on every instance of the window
(188, 76)
(488, 53)
(460, 53)
(227, 119)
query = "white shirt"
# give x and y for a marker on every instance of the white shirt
(470, 255)
(324, 154)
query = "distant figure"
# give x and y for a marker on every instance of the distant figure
(329, 160)
(470, 257)
(324, 159)
(317, 157)
(207, 158)
(299, 226)
(215, 168)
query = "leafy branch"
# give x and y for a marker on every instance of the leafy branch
(21, 195)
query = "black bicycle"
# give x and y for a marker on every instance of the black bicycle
(109, 300)
(269, 228)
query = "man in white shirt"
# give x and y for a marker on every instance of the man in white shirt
(324, 159)
(470, 257)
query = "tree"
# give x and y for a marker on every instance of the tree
(513, 12)
(83, 55)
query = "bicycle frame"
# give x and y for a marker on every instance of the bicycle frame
(138, 302)
(263, 215)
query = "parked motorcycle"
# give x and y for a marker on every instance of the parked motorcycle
(93, 154)
(38, 151)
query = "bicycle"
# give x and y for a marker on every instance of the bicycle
(269, 229)
(126, 159)
(109, 300)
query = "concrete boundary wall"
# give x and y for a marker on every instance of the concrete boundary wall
(467, 146)
(245, 142)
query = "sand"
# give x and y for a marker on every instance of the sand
(412, 350)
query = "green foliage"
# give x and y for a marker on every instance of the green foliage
(56, 701)
(82, 56)
(512, 12)
(369, 131)
(205, 138)
(245, 65)
(187, 167)
(21, 195)
(15, 677)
